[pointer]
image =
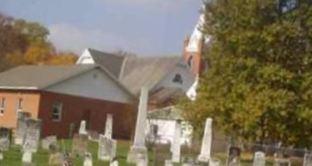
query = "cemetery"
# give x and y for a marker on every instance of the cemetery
(89, 149)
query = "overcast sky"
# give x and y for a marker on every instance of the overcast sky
(145, 27)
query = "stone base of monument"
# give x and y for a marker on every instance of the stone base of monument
(18, 141)
(203, 158)
(137, 155)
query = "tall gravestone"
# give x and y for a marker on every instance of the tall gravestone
(27, 157)
(138, 150)
(259, 159)
(205, 152)
(107, 148)
(32, 135)
(176, 144)
(83, 128)
(307, 161)
(109, 126)
(21, 127)
(88, 160)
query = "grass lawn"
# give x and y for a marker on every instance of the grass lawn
(14, 155)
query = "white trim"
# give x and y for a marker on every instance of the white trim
(19, 87)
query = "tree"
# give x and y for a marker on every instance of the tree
(258, 85)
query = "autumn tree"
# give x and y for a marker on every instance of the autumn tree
(258, 85)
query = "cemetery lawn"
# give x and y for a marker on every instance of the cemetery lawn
(13, 157)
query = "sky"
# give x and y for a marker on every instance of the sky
(143, 27)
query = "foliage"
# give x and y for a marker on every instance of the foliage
(23, 42)
(258, 86)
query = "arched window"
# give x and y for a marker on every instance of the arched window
(177, 79)
(190, 61)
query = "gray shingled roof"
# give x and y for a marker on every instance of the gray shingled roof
(167, 113)
(112, 62)
(138, 72)
(39, 77)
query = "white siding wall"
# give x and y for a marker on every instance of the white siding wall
(93, 84)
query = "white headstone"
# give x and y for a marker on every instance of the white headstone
(1, 156)
(107, 148)
(109, 126)
(88, 160)
(114, 163)
(307, 161)
(83, 128)
(27, 157)
(176, 144)
(138, 149)
(205, 152)
(168, 163)
(259, 159)
(214, 162)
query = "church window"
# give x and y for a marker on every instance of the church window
(178, 79)
(57, 111)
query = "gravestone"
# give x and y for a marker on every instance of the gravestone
(176, 144)
(114, 163)
(83, 128)
(48, 142)
(55, 159)
(88, 160)
(234, 156)
(307, 161)
(281, 159)
(259, 159)
(21, 127)
(109, 126)
(67, 160)
(80, 145)
(168, 163)
(27, 157)
(1, 156)
(205, 151)
(214, 162)
(32, 135)
(138, 150)
(4, 139)
(107, 148)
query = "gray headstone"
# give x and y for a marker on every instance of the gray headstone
(49, 141)
(214, 162)
(205, 151)
(259, 159)
(138, 150)
(4, 139)
(234, 156)
(83, 128)
(307, 161)
(88, 160)
(21, 128)
(32, 135)
(107, 148)
(55, 159)
(80, 145)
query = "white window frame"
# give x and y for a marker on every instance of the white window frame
(59, 106)
(20, 102)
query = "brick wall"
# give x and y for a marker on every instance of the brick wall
(93, 111)
(30, 104)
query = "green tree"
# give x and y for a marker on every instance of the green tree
(258, 85)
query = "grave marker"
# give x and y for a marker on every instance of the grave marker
(4, 139)
(259, 159)
(176, 145)
(88, 160)
(49, 141)
(205, 152)
(138, 150)
(32, 135)
(107, 148)
(21, 127)
(109, 126)
(27, 157)
(80, 145)
(307, 161)
(83, 128)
